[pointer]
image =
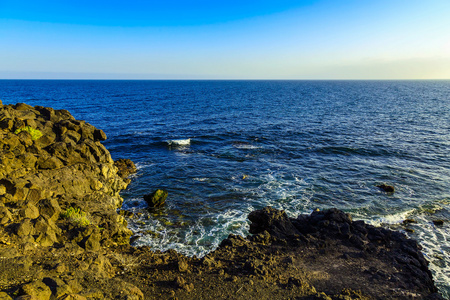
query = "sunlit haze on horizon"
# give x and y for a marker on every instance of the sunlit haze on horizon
(197, 39)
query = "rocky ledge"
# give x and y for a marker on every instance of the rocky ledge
(62, 238)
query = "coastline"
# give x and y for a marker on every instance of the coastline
(49, 256)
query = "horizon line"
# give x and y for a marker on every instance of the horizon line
(234, 79)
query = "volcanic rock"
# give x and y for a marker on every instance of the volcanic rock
(125, 167)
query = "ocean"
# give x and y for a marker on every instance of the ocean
(224, 148)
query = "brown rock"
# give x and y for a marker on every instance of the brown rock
(34, 195)
(5, 215)
(125, 167)
(99, 135)
(6, 123)
(92, 294)
(37, 289)
(25, 228)
(179, 282)
(29, 211)
(3, 295)
(92, 243)
(188, 287)
(183, 266)
(25, 138)
(23, 106)
(50, 163)
(49, 209)
(28, 160)
(47, 230)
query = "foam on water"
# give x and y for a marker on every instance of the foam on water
(143, 165)
(244, 146)
(201, 179)
(436, 247)
(202, 232)
(392, 219)
(180, 142)
(196, 239)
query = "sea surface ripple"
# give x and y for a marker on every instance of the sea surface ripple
(225, 148)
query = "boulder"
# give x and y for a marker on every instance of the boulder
(5, 215)
(37, 289)
(274, 221)
(157, 198)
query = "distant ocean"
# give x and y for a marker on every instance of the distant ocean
(225, 148)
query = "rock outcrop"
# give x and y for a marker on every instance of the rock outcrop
(59, 192)
(66, 167)
(386, 258)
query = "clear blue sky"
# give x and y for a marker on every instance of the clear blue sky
(173, 39)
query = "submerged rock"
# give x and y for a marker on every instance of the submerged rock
(386, 188)
(438, 222)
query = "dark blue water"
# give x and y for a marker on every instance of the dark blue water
(294, 145)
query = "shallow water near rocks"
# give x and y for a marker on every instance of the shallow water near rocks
(225, 148)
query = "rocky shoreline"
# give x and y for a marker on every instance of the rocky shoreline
(61, 236)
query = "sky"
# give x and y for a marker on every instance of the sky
(197, 39)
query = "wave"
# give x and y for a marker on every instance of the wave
(244, 146)
(391, 219)
(180, 142)
(343, 150)
(190, 237)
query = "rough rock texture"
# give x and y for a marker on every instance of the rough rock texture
(67, 167)
(61, 237)
(125, 167)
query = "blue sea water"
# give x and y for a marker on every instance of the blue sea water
(293, 145)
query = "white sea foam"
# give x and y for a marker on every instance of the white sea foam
(180, 142)
(202, 179)
(392, 219)
(246, 146)
(144, 165)
(134, 204)
(435, 242)
(197, 239)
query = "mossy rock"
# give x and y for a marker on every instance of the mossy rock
(157, 198)
(35, 133)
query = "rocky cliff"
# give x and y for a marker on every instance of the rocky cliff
(59, 189)
(62, 238)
